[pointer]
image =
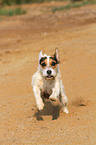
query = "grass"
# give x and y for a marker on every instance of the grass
(14, 2)
(19, 2)
(12, 12)
(74, 5)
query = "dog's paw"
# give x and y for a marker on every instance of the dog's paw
(52, 98)
(40, 106)
(65, 110)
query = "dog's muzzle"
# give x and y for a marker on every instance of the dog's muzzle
(49, 76)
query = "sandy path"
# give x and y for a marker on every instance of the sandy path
(21, 39)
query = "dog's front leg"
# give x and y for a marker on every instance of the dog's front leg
(55, 92)
(54, 95)
(37, 94)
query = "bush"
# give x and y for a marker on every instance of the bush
(76, 0)
(10, 2)
(13, 2)
(12, 12)
(74, 5)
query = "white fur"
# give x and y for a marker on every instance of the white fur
(53, 87)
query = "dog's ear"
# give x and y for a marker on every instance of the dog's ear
(40, 55)
(57, 55)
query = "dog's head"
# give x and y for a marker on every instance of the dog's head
(49, 65)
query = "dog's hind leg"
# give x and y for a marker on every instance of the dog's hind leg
(63, 99)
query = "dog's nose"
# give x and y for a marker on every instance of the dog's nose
(49, 72)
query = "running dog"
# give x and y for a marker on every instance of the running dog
(46, 82)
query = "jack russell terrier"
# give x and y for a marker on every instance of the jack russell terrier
(46, 82)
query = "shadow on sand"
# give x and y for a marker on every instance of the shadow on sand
(49, 109)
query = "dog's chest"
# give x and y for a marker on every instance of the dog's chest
(48, 86)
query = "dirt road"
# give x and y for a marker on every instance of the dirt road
(21, 40)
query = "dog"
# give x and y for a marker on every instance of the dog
(46, 82)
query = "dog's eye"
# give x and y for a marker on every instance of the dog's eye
(43, 64)
(53, 64)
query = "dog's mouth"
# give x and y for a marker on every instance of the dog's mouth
(49, 77)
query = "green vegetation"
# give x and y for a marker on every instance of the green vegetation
(19, 11)
(14, 2)
(12, 12)
(76, 0)
(74, 5)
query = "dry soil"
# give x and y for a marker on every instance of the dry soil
(21, 39)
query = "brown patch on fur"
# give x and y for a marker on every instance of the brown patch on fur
(42, 59)
(52, 63)
(43, 62)
(53, 57)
